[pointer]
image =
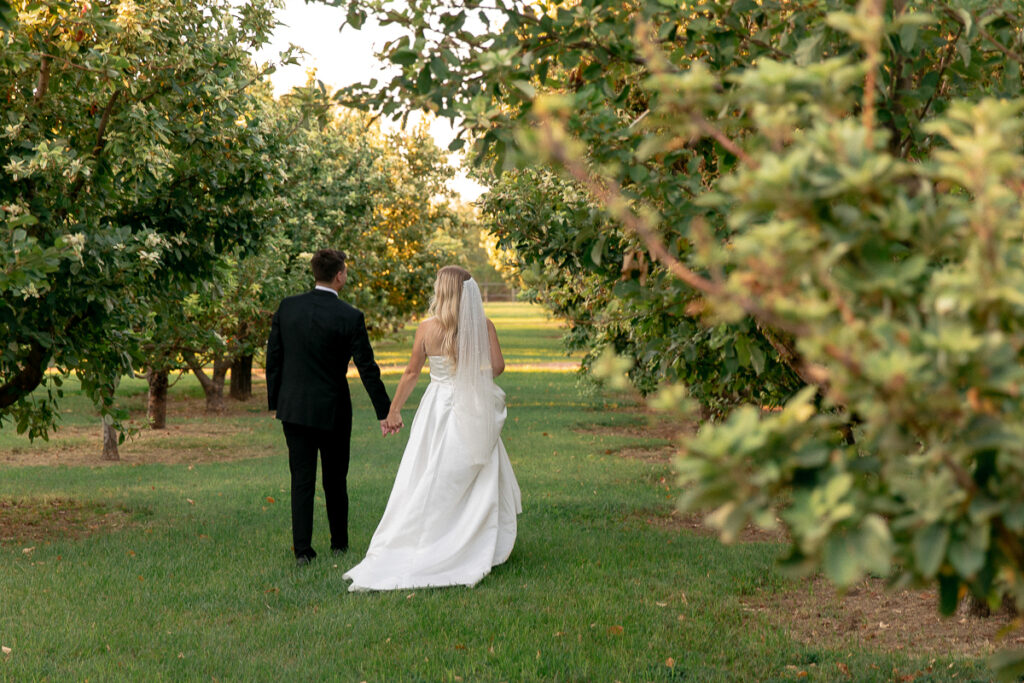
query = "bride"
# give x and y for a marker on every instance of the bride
(452, 511)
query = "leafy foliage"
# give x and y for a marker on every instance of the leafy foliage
(829, 193)
(126, 171)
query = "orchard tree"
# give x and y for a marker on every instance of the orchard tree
(378, 197)
(463, 240)
(338, 182)
(126, 169)
(837, 182)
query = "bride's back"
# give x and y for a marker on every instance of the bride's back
(432, 337)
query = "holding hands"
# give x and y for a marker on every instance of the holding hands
(392, 424)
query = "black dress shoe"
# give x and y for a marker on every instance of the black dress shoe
(305, 558)
(339, 551)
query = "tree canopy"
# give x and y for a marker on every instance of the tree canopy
(156, 201)
(818, 199)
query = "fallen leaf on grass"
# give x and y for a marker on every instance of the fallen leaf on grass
(271, 500)
(661, 604)
(615, 630)
(190, 501)
(27, 551)
(409, 596)
(670, 663)
(6, 650)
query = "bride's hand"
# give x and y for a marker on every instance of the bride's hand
(391, 424)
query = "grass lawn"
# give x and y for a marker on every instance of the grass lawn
(182, 570)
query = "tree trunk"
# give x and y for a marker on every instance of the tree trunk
(213, 387)
(157, 408)
(215, 395)
(110, 442)
(241, 378)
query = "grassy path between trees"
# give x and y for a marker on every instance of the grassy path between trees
(175, 564)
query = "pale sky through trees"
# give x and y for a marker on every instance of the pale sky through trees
(341, 58)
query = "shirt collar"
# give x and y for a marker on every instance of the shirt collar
(326, 289)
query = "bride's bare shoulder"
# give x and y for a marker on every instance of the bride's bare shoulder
(428, 333)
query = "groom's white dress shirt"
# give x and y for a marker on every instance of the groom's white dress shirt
(326, 289)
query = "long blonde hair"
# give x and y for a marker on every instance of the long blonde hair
(444, 306)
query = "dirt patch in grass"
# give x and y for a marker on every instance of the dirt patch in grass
(870, 616)
(658, 456)
(654, 430)
(674, 520)
(191, 436)
(26, 522)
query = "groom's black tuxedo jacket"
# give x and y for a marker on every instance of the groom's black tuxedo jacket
(312, 339)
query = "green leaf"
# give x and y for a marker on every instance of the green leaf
(743, 350)
(404, 56)
(930, 548)
(24, 220)
(525, 87)
(966, 557)
(949, 594)
(840, 561)
(424, 80)
(908, 36)
(807, 51)
(963, 48)
(757, 358)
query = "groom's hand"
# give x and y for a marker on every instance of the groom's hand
(391, 425)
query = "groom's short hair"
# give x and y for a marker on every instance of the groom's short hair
(327, 263)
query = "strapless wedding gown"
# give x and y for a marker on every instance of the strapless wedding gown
(448, 521)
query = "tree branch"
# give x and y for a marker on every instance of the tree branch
(609, 193)
(101, 131)
(43, 83)
(28, 377)
(705, 126)
(1007, 52)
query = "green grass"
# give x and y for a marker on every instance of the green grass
(526, 336)
(201, 584)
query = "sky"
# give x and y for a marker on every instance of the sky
(341, 58)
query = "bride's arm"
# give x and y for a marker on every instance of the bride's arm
(409, 377)
(497, 360)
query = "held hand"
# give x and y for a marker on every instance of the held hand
(391, 425)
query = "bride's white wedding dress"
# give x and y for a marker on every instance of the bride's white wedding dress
(452, 511)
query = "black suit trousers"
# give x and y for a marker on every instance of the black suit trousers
(333, 446)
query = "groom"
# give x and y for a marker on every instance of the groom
(312, 338)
